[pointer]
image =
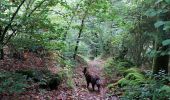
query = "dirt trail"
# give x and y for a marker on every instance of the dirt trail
(79, 92)
(82, 93)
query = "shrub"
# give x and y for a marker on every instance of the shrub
(131, 70)
(116, 66)
(109, 67)
(54, 82)
(124, 63)
(150, 89)
(131, 79)
(68, 75)
(44, 78)
(33, 74)
(11, 82)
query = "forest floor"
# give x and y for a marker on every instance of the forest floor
(79, 90)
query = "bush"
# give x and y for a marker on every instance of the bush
(44, 78)
(35, 75)
(131, 70)
(131, 79)
(149, 89)
(109, 67)
(116, 66)
(54, 82)
(11, 82)
(68, 75)
(124, 63)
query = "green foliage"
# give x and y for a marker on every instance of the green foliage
(124, 64)
(131, 79)
(166, 42)
(35, 75)
(132, 76)
(27, 41)
(159, 23)
(148, 91)
(67, 75)
(117, 66)
(12, 82)
(165, 90)
(109, 67)
(151, 12)
(154, 89)
(82, 59)
(27, 73)
(167, 1)
(131, 70)
(44, 78)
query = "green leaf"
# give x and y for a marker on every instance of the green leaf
(167, 25)
(159, 23)
(151, 12)
(165, 88)
(167, 1)
(166, 42)
(158, 1)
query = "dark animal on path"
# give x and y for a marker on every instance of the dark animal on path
(93, 79)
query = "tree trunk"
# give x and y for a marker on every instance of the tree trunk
(77, 43)
(2, 54)
(79, 35)
(161, 61)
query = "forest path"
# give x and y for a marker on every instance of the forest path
(80, 90)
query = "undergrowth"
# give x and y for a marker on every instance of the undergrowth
(137, 86)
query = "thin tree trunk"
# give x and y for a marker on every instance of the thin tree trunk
(78, 39)
(2, 54)
(79, 35)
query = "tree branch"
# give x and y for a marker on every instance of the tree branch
(36, 8)
(11, 20)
